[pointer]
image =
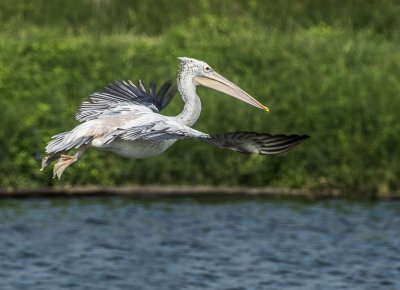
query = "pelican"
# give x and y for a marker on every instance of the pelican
(125, 119)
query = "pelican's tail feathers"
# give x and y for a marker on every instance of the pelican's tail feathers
(64, 142)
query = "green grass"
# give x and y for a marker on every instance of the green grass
(328, 70)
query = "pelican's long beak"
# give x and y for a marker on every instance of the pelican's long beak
(217, 82)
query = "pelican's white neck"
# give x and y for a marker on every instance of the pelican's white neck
(191, 110)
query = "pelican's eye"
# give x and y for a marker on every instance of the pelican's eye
(207, 69)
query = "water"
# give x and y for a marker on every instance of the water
(120, 243)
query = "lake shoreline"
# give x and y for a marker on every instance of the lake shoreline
(183, 191)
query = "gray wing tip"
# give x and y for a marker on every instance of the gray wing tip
(164, 95)
(261, 143)
(277, 144)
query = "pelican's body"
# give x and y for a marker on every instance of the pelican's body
(125, 119)
(136, 150)
(140, 149)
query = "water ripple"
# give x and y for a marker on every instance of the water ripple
(120, 243)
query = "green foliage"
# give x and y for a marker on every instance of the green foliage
(324, 68)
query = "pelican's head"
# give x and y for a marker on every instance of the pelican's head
(203, 74)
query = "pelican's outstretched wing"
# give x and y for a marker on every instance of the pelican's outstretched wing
(122, 96)
(250, 142)
(157, 128)
(167, 128)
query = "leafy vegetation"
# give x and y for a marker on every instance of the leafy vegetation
(330, 69)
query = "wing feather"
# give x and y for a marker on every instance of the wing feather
(250, 142)
(162, 129)
(164, 95)
(121, 95)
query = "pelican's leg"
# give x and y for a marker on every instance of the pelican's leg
(65, 161)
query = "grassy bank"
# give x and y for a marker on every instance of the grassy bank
(329, 72)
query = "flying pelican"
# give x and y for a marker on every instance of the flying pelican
(126, 120)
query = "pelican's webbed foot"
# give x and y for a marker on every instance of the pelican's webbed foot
(62, 164)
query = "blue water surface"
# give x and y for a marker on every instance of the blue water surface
(122, 243)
